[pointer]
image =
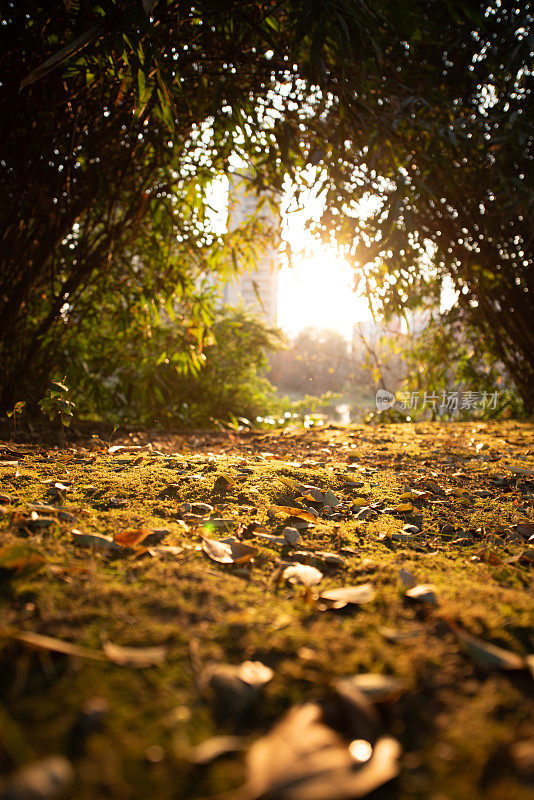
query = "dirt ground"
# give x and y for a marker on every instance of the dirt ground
(121, 611)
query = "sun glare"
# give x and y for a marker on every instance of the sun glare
(317, 291)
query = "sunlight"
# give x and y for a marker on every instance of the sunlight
(318, 291)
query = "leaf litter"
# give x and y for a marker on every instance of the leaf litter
(244, 619)
(303, 758)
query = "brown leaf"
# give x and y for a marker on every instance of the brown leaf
(332, 559)
(138, 657)
(330, 500)
(525, 529)
(304, 759)
(486, 654)
(132, 536)
(290, 511)
(313, 491)
(41, 642)
(167, 550)
(404, 507)
(124, 448)
(223, 477)
(20, 559)
(407, 578)
(228, 551)
(33, 522)
(488, 556)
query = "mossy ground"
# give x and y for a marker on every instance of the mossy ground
(459, 723)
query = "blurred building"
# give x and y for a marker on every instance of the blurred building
(257, 288)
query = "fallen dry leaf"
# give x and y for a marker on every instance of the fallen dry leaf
(290, 482)
(314, 492)
(330, 558)
(42, 642)
(292, 536)
(525, 529)
(408, 579)
(223, 477)
(215, 747)
(394, 635)
(20, 559)
(32, 522)
(414, 494)
(290, 511)
(404, 507)
(228, 551)
(167, 550)
(488, 556)
(486, 654)
(139, 657)
(94, 541)
(302, 758)
(375, 687)
(236, 687)
(423, 593)
(348, 595)
(125, 448)
(330, 500)
(520, 470)
(303, 574)
(132, 536)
